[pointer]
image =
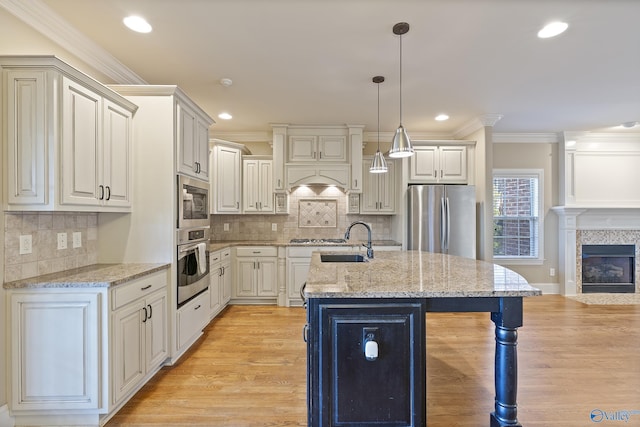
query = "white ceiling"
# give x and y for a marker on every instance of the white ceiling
(311, 61)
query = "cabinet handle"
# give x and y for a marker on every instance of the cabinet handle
(150, 311)
(356, 184)
(101, 187)
(257, 252)
(221, 272)
(108, 192)
(145, 288)
(197, 307)
(441, 173)
(305, 332)
(278, 182)
(237, 205)
(145, 315)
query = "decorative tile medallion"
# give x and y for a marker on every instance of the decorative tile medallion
(317, 213)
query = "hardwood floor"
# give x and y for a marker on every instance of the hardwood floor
(249, 369)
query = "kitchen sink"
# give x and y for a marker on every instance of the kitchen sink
(342, 258)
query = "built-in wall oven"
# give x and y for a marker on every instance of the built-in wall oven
(193, 263)
(193, 203)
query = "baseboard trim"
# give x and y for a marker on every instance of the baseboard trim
(547, 288)
(5, 419)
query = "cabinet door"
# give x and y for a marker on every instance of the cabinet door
(56, 342)
(302, 149)
(424, 164)
(265, 188)
(267, 272)
(453, 164)
(227, 283)
(215, 288)
(156, 330)
(387, 190)
(245, 278)
(129, 363)
(227, 181)
(369, 203)
(187, 140)
(202, 132)
(298, 271)
(332, 149)
(27, 137)
(81, 133)
(115, 167)
(250, 185)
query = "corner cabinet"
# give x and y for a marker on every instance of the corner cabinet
(192, 139)
(68, 139)
(444, 164)
(78, 354)
(379, 190)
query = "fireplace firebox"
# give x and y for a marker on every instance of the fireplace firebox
(608, 268)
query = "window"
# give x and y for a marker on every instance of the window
(517, 218)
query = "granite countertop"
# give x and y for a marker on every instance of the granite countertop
(92, 276)
(222, 244)
(413, 274)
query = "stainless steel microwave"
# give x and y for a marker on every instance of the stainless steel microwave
(193, 202)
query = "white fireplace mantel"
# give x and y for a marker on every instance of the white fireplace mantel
(572, 219)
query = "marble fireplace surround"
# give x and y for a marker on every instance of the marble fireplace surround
(578, 226)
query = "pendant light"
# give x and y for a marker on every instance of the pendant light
(378, 164)
(401, 144)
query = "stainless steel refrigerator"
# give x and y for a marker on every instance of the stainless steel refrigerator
(442, 218)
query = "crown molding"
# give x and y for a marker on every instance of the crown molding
(633, 137)
(526, 138)
(44, 20)
(258, 136)
(487, 120)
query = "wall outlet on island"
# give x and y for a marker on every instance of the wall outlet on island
(225, 226)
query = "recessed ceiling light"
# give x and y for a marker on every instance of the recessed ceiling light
(226, 82)
(442, 117)
(629, 125)
(225, 116)
(137, 24)
(553, 29)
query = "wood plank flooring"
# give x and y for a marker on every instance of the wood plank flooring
(249, 369)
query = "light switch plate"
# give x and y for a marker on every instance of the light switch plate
(77, 239)
(25, 244)
(62, 240)
(274, 226)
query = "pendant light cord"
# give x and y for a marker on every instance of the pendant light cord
(378, 116)
(401, 80)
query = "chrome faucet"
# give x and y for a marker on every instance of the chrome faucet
(368, 245)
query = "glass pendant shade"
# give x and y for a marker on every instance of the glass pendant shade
(378, 164)
(401, 144)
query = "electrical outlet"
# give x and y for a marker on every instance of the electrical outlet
(552, 272)
(62, 240)
(77, 239)
(25, 244)
(226, 226)
(274, 226)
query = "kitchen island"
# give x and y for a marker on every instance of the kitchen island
(366, 337)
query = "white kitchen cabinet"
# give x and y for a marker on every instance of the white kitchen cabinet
(77, 354)
(192, 140)
(140, 332)
(323, 148)
(226, 185)
(69, 139)
(191, 318)
(324, 174)
(445, 164)
(257, 186)
(255, 274)
(379, 190)
(220, 286)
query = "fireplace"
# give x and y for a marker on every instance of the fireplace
(608, 268)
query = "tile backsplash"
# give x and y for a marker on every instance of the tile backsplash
(259, 227)
(45, 257)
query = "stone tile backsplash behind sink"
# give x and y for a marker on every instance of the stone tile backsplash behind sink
(302, 223)
(45, 257)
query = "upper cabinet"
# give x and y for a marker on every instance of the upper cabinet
(303, 154)
(226, 185)
(68, 140)
(444, 164)
(193, 140)
(257, 185)
(379, 190)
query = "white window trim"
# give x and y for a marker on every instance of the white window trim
(524, 173)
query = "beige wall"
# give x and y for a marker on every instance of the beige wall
(536, 156)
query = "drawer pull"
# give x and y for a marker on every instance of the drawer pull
(197, 307)
(145, 288)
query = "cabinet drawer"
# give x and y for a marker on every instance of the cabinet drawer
(192, 318)
(254, 251)
(138, 288)
(225, 254)
(215, 257)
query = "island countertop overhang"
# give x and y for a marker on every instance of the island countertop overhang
(413, 274)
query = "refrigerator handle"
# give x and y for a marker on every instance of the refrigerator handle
(448, 223)
(443, 225)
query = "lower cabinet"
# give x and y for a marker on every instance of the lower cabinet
(220, 286)
(363, 356)
(77, 354)
(191, 318)
(256, 274)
